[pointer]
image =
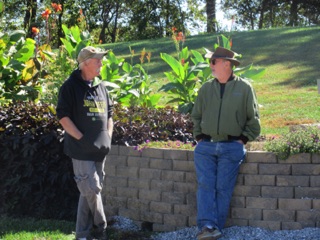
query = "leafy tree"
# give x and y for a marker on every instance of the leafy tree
(274, 13)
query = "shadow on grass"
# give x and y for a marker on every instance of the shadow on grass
(26, 228)
(15, 225)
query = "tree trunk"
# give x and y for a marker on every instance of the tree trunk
(115, 27)
(30, 16)
(293, 13)
(262, 11)
(167, 16)
(60, 33)
(211, 16)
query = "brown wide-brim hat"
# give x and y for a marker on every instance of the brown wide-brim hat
(90, 52)
(223, 53)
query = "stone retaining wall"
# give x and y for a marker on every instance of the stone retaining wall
(157, 188)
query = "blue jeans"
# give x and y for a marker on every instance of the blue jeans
(217, 165)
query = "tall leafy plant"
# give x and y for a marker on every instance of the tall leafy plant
(129, 84)
(20, 67)
(74, 40)
(183, 78)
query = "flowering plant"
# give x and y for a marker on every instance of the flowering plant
(183, 78)
(167, 145)
(301, 140)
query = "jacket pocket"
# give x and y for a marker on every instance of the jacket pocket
(97, 142)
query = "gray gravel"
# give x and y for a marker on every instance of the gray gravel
(231, 233)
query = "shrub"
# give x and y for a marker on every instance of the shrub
(37, 178)
(300, 140)
(136, 125)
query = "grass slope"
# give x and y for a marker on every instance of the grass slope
(287, 93)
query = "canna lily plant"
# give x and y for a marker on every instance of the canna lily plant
(183, 78)
(129, 84)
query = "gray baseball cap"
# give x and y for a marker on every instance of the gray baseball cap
(90, 52)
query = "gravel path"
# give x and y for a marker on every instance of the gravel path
(246, 233)
(231, 233)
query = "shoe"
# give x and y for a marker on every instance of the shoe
(100, 235)
(208, 234)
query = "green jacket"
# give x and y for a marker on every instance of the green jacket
(235, 114)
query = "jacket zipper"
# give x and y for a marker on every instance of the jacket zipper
(220, 107)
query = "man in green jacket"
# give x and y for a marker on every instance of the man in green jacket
(225, 117)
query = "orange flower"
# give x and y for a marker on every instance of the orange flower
(148, 57)
(35, 30)
(182, 61)
(81, 12)
(180, 36)
(174, 29)
(56, 7)
(143, 53)
(46, 13)
(230, 43)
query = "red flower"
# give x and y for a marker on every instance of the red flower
(35, 30)
(46, 13)
(56, 7)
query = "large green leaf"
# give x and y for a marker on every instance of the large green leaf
(173, 87)
(16, 35)
(134, 92)
(26, 52)
(68, 46)
(66, 30)
(184, 54)
(75, 31)
(254, 73)
(154, 99)
(127, 67)
(175, 65)
(197, 57)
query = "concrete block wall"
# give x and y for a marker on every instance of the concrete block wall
(157, 188)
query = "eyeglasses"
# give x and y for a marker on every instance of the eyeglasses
(213, 61)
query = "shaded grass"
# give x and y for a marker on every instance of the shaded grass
(32, 229)
(287, 92)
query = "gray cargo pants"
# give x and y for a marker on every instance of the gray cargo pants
(89, 177)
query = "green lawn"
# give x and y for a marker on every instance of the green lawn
(31, 229)
(287, 92)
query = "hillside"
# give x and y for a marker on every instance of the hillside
(287, 93)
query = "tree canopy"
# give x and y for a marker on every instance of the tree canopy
(120, 20)
(259, 14)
